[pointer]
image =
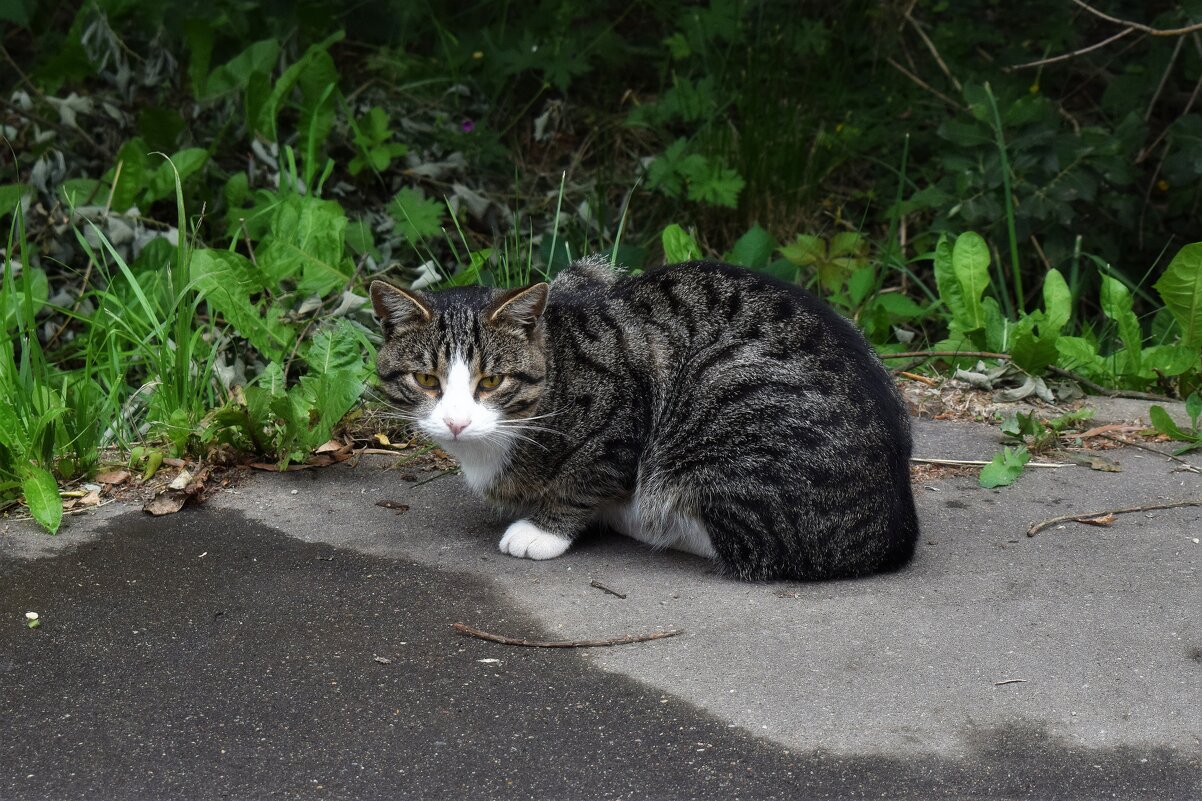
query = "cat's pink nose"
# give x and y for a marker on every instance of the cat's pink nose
(456, 426)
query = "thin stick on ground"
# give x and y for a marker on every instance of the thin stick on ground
(603, 588)
(981, 463)
(623, 640)
(1170, 456)
(1078, 518)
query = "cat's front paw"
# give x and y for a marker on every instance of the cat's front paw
(525, 540)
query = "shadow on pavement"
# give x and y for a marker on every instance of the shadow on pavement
(204, 656)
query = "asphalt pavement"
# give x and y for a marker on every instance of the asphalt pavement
(291, 638)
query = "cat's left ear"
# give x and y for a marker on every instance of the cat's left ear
(394, 306)
(520, 307)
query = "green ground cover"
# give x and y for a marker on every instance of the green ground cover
(195, 195)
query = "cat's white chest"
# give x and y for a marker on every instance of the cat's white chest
(479, 462)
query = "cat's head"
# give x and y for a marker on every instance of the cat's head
(464, 365)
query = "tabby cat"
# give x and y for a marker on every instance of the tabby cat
(700, 407)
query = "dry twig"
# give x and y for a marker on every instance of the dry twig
(1038, 527)
(1126, 23)
(934, 52)
(603, 588)
(1074, 54)
(980, 463)
(924, 84)
(623, 640)
(1178, 459)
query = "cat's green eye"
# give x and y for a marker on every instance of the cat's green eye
(491, 381)
(426, 380)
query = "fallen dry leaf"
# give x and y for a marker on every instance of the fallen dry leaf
(173, 462)
(112, 477)
(166, 503)
(180, 481)
(330, 446)
(91, 499)
(1100, 520)
(381, 439)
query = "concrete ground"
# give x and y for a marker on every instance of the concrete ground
(291, 638)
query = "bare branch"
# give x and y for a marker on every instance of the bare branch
(924, 84)
(1074, 54)
(1136, 26)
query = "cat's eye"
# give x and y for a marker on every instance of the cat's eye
(491, 381)
(426, 380)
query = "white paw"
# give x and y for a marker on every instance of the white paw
(525, 540)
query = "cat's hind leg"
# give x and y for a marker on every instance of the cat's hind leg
(659, 520)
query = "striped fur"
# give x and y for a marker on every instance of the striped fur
(700, 401)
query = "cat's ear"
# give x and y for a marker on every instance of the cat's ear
(520, 307)
(395, 306)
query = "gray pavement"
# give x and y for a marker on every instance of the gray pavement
(250, 671)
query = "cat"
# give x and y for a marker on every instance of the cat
(701, 407)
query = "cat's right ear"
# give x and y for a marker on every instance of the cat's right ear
(395, 306)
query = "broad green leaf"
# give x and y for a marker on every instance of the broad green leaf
(846, 244)
(664, 173)
(1169, 360)
(753, 249)
(307, 236)
(330, 396)
(782, 269)
(997, 328)
(12, 433)
(1193, 407)
(41, 494)
(805, 251)
(679, 246)
(339, 346)
(416, 217)
(1005, 467)
(1181, 290)
(257, 59)
(1080, 355)
(1116, 304)
(315, 59)
(227, 281)
(134, 176)
(899, 306)
(161, 182)
(14, 303)
(945, 280)
(711, 182)
(1034, 350)
(859, 284)
(970, 263)
(1057, 300)
(1164, 424)
(10, 196)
